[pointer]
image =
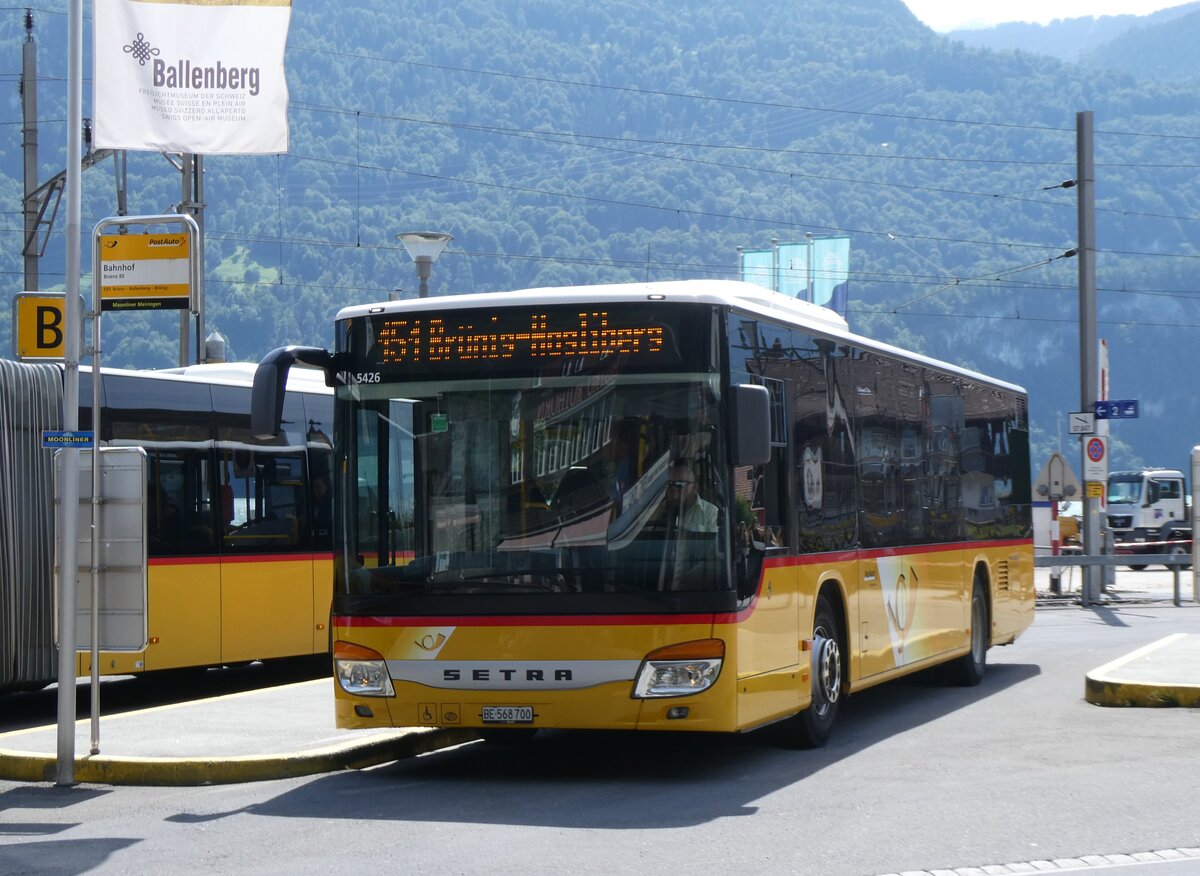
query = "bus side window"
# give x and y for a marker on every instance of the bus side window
(269, 506)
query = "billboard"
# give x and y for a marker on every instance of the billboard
(785, 269)
(831, 272)
(191, 76)
(758, 267)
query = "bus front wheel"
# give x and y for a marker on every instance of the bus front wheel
(815, 724)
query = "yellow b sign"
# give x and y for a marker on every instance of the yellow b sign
(39, 321)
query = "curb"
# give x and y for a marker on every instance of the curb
(180, 771)
(1107, 686)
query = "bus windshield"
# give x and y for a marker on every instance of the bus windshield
(589, 483)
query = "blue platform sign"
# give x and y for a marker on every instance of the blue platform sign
(59, 440)
(1117, 409)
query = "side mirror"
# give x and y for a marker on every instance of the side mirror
(270, 379)
(749, 424)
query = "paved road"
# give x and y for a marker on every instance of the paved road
(918, 778)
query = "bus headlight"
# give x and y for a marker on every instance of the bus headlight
(361, 671)
(680, 670)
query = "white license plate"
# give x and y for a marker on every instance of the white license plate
(507, 714)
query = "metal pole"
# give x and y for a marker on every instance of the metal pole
(774, 264)
(198, 256)
(1192, 522)
(95, 509)
(186, 170)
(1087, 331)
(68, 493)
(29, 135)
(1055, 574)
(424, 269)
(808, 286)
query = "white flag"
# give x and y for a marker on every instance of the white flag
(203, 76)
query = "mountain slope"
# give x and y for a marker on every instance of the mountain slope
(1068, 39)
(565, 142)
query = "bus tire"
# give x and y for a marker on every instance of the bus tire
(814, 725)
(968, 670)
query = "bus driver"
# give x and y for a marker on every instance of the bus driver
(684, 504)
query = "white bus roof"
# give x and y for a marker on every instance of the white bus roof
(730, 293)
(300, 379)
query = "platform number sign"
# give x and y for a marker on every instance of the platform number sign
(1117, 409)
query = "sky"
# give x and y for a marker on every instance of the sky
(944, 15)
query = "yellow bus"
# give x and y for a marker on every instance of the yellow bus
(238, 533)
(691, 505)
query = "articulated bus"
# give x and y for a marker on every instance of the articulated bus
(693, 505)
(238, 532)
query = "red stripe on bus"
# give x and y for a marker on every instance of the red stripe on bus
(236, 558)
(534, 620)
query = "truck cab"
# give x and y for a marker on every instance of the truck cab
(1148, 505)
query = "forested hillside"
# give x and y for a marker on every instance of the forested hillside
(568, 142)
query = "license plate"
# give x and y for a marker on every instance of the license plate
(507, 714)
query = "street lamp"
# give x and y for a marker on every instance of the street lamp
(424, 247)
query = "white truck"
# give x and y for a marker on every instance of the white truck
(1148, 512)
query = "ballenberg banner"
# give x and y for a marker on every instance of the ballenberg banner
(202, 76)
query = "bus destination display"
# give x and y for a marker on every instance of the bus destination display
(495, 337)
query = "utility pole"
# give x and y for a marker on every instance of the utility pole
(29, 140)
(191, 167)
(1086, 175)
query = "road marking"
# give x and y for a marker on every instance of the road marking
(1063, 865)
(1105, 672)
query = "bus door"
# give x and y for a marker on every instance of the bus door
(768, 640)
(184, 601)
(266, 567)
(267, 576)
(171, 420)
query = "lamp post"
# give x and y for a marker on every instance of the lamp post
(424, 247)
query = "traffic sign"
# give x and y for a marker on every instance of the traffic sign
(1095, 458)
(1056, 481)
(1117, 409)
(1081, 422)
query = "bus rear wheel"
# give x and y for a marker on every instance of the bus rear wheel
(814, 725)
(968, 669)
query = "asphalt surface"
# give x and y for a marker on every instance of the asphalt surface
(289, 731)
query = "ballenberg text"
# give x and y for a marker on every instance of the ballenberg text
(182, 74)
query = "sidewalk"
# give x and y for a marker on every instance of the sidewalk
(1164, 673)
(258, 735)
